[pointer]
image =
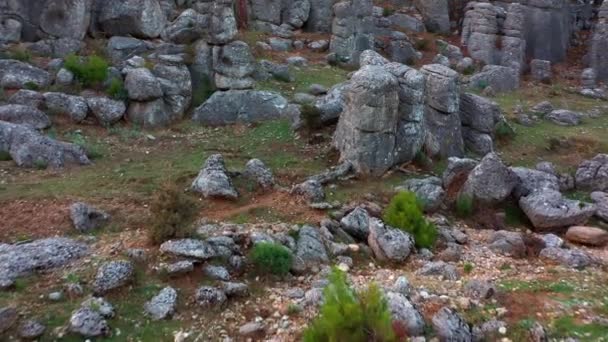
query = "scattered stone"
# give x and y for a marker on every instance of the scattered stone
(449, 326)
(177, 268)
(480, 289)
(24, 115)
(388, 243)
(31, 329)
(543, 108)
(252, 329)
(23, 259)
(552, 240)
(549, 209)
(311, 190)
(213, 179)
(216, 272)
(404, 313)
(100, 305)
(8, 317)
(209, 297)
(19, 75)
(601, 202)
(112, 275)
(541, 70)
(75, 107)
(564, 117)
(593, 174)
(402, 286)
(428, 190)
(189, 248)
(235, 289)
(491, 181)
(310, 250)
(106, 110)
(88, 323)
(439, 268)
(86, 218)
(256, 170)
(508, 243)
(162, 305)
(573, 258)
(587, 235)
(357, 223)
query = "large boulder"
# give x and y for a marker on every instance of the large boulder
(491, 181)
(428, 190)
(564, 117)
(593, 174)
(28, 148)
(24, 115)
(137, 18)
(601, 201)
(449, 326)
(88, 323)
(241, 106)
(435, 14)
(142, 85)
(112, 275)
(573, 258)
(320, 17)
(442, 122)
(213, 179)
(86, 218)
(549, 209)
(190, 248)
(187, 27)
(599, 44)
(162, 305)
(19, 75)
(233, 64)
(356, 223)
(500, 78)
(106, 110)
(366, 130)
(591, 236)
(389, 244)
(405, 314)
(65, 18)
(75, 107)
(310, 251)
(479, 117)
(23, 259)
(530, 181)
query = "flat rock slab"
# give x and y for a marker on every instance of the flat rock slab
(23, 259)
(587, 235)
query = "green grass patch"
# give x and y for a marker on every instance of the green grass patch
(326, 76)
(567, 326)
(563, 287)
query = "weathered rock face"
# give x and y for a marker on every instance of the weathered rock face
(367, 127)
(233, 65)
(213, 179)
(599, 44)
(442, 123)
(17, 75)
(28, 148)
(549, 209)
(428, 190)
(593, 174)
(33, 19)
(24, 259)
(491, 181)
(435, 14)
(320, 16)
(480, 30)
(390, 128)
(310, 251)
(24, 115)
(479, 117)
(138, 18)
(500, 78)
(229, 107)
(352, 31)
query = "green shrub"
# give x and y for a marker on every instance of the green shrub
(88, 70)
(173, 213)
(504, 131)
(482, 84)
(468, 267)
(387, 11)
(405, 212)
(41, 164)
(272, 258)
(5, 156)
(311, 117)
(93, 151)
(470, 70)
(116, 90)
(464, 205)
(31, 86)
(422, 44)
(20, 54)
(202, 91)
(348, 316)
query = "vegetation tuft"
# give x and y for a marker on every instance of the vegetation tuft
(350, 316)
(464, 206)
(89, 70)
(271, 258)
(173, 213)
(405, 212)
(116, 90)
